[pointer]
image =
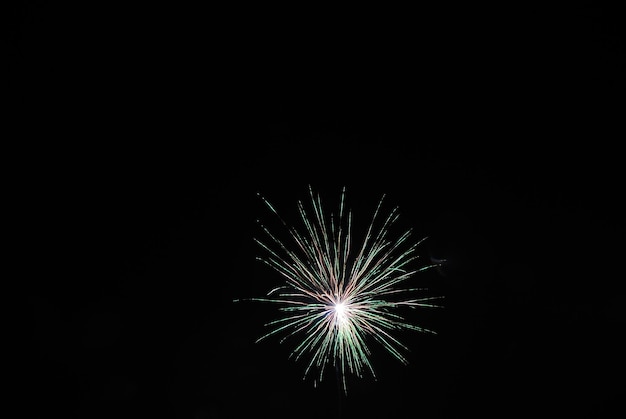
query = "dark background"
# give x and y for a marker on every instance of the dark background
(145, 130)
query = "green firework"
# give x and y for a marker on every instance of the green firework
(338, 297)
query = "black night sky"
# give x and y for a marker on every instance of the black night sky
(147, 129)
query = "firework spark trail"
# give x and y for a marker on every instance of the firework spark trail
(334, 299)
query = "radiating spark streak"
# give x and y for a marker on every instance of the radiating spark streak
(336, 299)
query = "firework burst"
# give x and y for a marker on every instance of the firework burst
(337, 296)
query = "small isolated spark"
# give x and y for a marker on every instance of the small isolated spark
(336, 297)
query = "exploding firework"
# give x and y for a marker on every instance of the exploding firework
(337, 299)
